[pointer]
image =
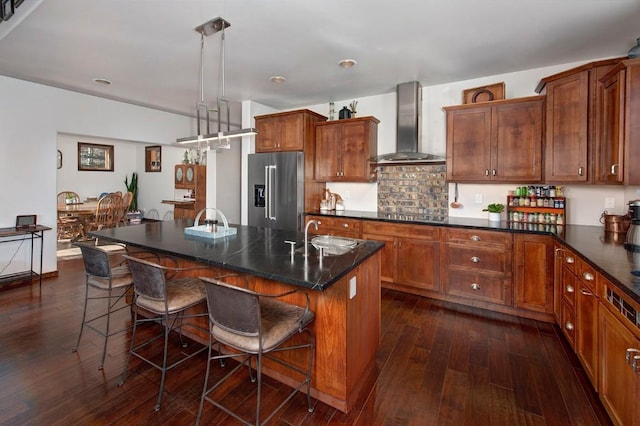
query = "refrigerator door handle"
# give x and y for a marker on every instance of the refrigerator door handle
(270, 194)
(266, 192)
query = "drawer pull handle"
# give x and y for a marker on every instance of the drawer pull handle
(475, 259)
(569, 259)
(580, 171)
(486, 172)
(475, 286)
(345, 225)
(588, 276)
(569, 326)
(631, 352)
(570, 288)
(585, 292)
(634, 364)
(475, 238)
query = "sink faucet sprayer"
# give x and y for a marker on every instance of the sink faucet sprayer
(306, 235)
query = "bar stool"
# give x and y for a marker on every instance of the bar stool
(158, 291)
(103, 282)
(256, 325)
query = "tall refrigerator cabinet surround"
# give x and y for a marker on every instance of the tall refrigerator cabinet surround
(276, 190)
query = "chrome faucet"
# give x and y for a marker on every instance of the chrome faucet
(306, 235)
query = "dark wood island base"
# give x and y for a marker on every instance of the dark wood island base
(347, 309)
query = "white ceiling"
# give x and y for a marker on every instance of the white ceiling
(151, 53)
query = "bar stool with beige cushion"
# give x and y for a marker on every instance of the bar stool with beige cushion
(160, 291)
(255, 326)
(104, 282)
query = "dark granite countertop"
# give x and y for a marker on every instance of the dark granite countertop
(607, 256)
(258, 251)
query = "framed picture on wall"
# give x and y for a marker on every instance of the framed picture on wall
(152, 156)
(95, 157)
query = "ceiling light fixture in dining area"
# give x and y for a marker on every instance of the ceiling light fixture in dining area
(220, 138)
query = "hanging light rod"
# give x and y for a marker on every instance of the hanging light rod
(210, 27)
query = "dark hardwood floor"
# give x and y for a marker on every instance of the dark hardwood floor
(439, 364)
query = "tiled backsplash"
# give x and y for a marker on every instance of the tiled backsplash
(419, 189)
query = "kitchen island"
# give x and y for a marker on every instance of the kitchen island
(344, 292)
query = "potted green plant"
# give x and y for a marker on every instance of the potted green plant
(494, 209)
(132, 186)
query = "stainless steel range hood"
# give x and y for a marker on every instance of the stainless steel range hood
(409, 115)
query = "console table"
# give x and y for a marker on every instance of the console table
(17, 234)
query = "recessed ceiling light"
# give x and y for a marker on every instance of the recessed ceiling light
(102, 81)
(278, 79)
(347, 63)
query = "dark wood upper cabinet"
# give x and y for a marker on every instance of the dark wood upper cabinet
(344, 149)
(572, 117)
(286, 131)
(497, 141)
(619, 128)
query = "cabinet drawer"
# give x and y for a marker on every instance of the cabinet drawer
(478, 238)
(568, 324)
(329, 224)
(489, 288)
(586, 274)
(424, 232)
(569, 287)
(569, 260)
(481, 259)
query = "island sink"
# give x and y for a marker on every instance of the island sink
(332, 245)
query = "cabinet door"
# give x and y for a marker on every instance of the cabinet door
(610, 148)
(418, 262)
(516, 152)
(587, 331)
(534, 272)
(389, 258)
(268, 134)
(567, 128)
(617, 378)
(355, 154)
(178, 176)
(328, 153)
(291, 133)
(469, 144)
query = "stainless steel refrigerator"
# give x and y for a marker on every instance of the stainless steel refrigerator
(276, 190)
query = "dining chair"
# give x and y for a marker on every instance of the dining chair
(107, 282)
(107, 213)
(127, 198)
(165, 294)
(69, 225)
(256, 326)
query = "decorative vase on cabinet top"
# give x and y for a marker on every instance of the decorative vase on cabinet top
(344, 113)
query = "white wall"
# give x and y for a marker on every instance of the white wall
(153, 187)
(33, 116)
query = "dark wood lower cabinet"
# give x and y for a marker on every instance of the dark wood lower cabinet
(410, 258)
(619, 383)
(586, 332)
(534, 273)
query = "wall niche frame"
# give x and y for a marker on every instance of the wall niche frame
(152, 158)
(95, 157)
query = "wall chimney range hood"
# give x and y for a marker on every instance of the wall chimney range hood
(409, 115)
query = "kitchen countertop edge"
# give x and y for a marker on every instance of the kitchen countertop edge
(609, 258)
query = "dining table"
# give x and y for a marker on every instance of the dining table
(84, 211)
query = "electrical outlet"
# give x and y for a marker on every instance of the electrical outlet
(352, 287)
(609, 203)
(347, 194)
(478, 198)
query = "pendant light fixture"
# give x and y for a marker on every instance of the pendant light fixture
(220, 138)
